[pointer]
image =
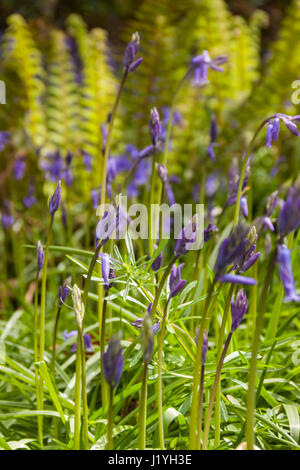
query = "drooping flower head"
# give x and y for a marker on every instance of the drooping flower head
(286, 274)
(107, 225)
(188, 235)
(176, 284)
(202, 63)
(273, 126)
(236, 251)
(289, 216)
(108, 273)
(238, 309)
(55, 200)
(63, 291)
(113, 361)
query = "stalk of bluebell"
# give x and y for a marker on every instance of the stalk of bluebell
(201, 391)
(113, 363)
(53, 207)
(62, 295)
(80, 373)
(147, 339)
(40, 264)
(238, 311)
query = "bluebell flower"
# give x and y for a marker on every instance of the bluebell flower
(202, 63)
(289, 216)
(238, 309)
(273, 126)
(30, 199)
(286, 274)
(176, 284)
(63, 291)
(19, 168)
(87, 160)
(86, 339)
(113, 361)
(155, 126)
(130, 63)
(188, 235)
(139, 321)
(55, 200)
(4, 139)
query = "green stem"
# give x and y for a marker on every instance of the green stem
(253, 363)
(195, 396)
(159, 379)
(42, 328)
(143, 410)
(219, 353)
(102, 345)
(213, 393)
(201, 393)
(84, 392)
(110, 421)
(109, 136)
(244, 166)
(36, 358)
(77, 418)
(161, 285)
(54, 341)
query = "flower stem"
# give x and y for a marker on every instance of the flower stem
(219, 353)
(42, 329)
(213, 393)
(159, 379)
(161, 285)
(143, 410)
(110, 421)
(84, 393)
(54, 341)
(77, 419)
(252, 371)
(102, 345)
(196, 378)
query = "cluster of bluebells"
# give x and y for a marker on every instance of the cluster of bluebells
(237, 252)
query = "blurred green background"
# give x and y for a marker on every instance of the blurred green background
(112, 14)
